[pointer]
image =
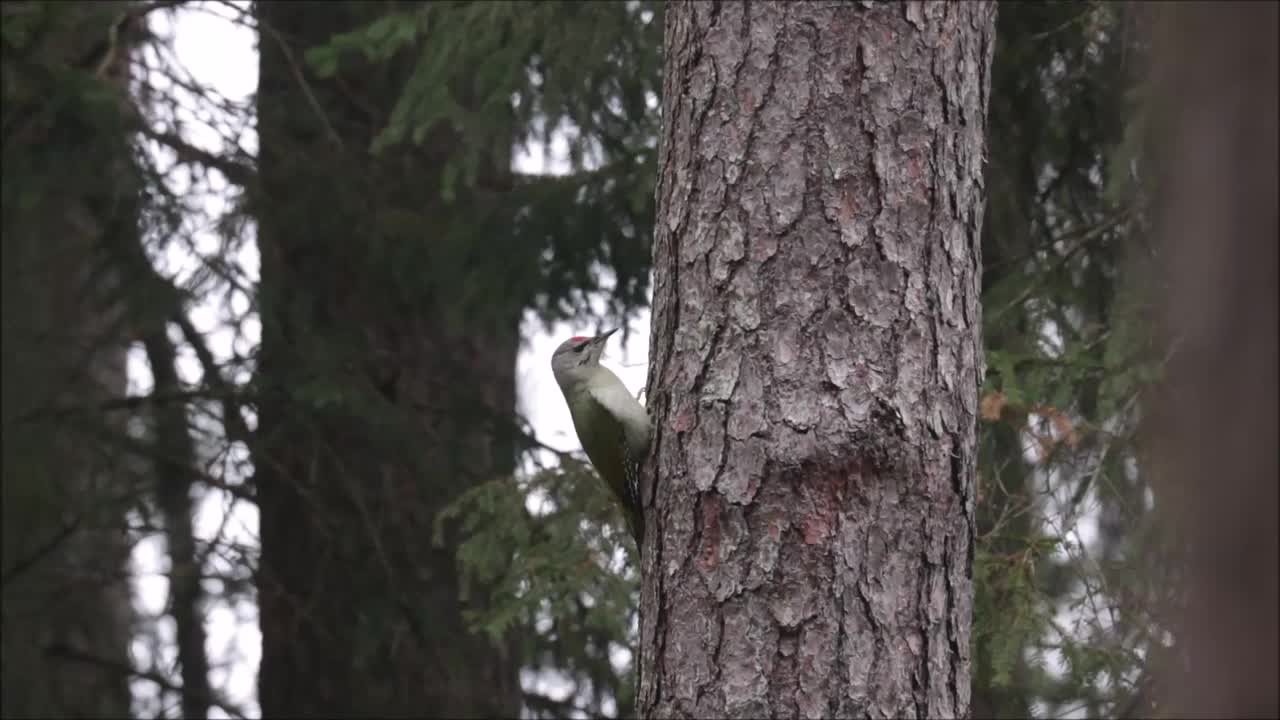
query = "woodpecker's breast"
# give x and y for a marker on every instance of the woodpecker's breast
(609, 422)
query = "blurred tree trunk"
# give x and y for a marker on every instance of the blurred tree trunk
(66, 601)
(1218, 419)
(816, 361)
(380, 400)
(175, 466)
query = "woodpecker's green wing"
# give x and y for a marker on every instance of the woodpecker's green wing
(614, 431)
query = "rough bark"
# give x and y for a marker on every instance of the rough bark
(815, 360)
(381, 400)
(66, 605)
(1218, 418)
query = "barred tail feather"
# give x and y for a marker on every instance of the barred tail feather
(631, 499)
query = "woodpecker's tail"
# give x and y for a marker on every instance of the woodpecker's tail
(635, 523)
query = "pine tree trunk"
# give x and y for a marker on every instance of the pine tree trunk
(815, 360)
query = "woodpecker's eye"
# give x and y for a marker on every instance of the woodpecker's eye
(580, 348)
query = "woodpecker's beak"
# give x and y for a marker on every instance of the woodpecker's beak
(599, 339)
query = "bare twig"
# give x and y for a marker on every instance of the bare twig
(240, 173)
(301, 79)
(232, 421)
(104, 54)
(132, 403)
(65, 652)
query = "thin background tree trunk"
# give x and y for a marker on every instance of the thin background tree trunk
(175, 464)
(816, 361)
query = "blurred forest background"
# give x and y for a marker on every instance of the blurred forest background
(395, 528)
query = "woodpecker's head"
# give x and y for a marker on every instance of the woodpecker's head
(577, 354)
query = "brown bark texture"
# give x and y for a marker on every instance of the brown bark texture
(815, 360)
(1217, 418)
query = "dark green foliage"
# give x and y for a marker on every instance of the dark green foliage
(1069, 351)
(489, 74)
(66, 483)
(559, 570)
(381, 385)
